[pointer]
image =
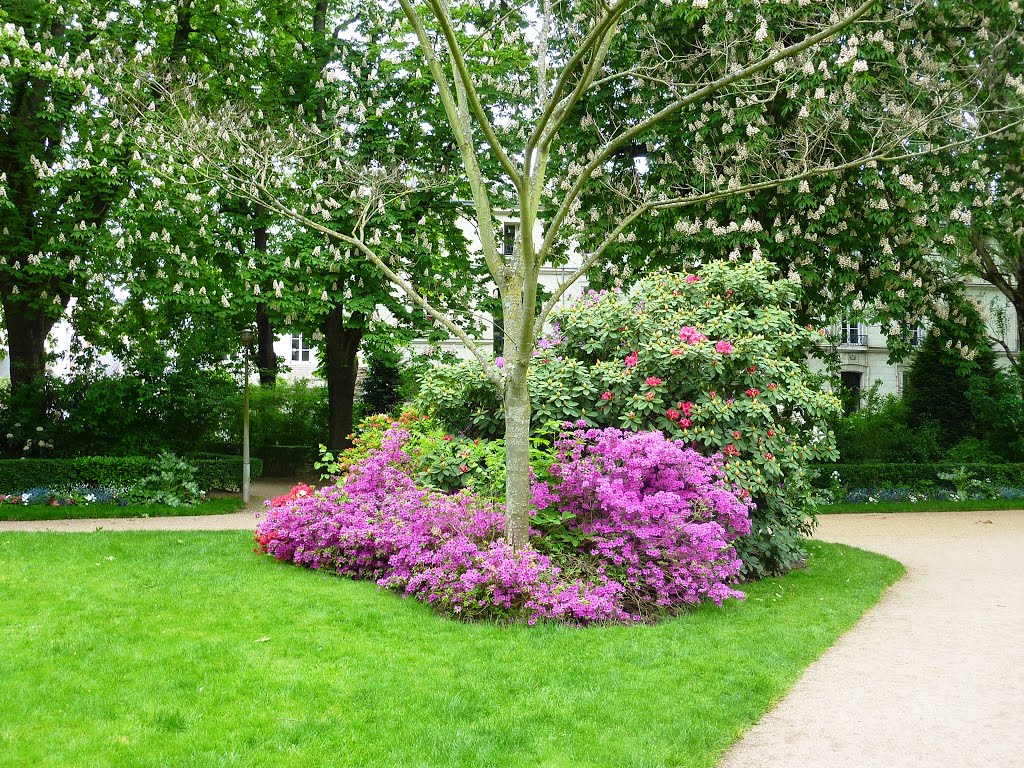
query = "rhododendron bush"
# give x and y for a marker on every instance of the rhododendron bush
(714, 357)
(642, 527)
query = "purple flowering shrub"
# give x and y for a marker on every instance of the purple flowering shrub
(657, 517)
(653, 526)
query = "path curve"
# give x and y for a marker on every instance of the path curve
(236, 521)
(933, 676)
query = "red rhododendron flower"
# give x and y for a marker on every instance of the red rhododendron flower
(673, 414)
(606, 395)
(753, 392)
(652, 381)
(631, 359)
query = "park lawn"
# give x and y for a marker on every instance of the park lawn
(214, 506)
(977, 505)
(186, 649)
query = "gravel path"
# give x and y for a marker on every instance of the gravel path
(932, 677)
(240, 521)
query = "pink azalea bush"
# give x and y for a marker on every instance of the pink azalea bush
(655, 525)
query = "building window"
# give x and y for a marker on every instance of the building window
(852, 333)
(300, 349)
(851, 386)
(508, 238)
(917, 337)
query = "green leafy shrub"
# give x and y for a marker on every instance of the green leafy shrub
(382, 390)
(880, 433)
(936, 387)
(172, 483)
(286, 460)
(918, 477)
(716, 360)
(292, 413)
(221, 473)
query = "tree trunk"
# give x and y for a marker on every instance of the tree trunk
(518, 496)
(341, 345)
(27, 329)
(266, 357)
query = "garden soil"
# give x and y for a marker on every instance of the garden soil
(933, 676)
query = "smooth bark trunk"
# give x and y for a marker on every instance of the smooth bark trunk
(518, 495)
(341, 364)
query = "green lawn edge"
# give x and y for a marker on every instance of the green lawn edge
(186, 649)
(214, 506)
(977, 505)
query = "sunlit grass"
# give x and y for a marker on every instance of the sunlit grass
(186, 649)
(215, 506)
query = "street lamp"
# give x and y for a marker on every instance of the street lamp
(246, 338)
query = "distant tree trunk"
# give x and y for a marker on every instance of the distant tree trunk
(27, 329)
(266, 357)
(341, 346)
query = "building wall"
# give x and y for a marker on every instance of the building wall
(870, 355)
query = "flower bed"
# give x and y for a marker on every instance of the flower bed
(633, 526)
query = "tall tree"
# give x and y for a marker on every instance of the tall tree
(507, 128)
(873, 241)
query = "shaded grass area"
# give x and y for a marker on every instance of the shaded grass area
(976, 505)
(186, 649)
(214, 506)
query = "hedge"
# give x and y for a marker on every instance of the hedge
(213, 473)
(917, 475)
(287, 460)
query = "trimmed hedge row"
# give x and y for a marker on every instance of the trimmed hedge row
(213, 473)
(287, 460)
(280, 460)
(917, 475)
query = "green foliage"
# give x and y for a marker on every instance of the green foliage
(946, 415)
(382, 389)
(880, 432)
(289, 413)
(921, 477)
(173, 483)
(223, 473)
(756, 402)
(935, 391)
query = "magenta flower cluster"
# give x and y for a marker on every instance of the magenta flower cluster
(666, 543)
(658, 517)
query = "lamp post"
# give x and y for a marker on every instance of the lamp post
(246, 338)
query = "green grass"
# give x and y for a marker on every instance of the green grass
(978, 505)
(185, 649)
(215, 506)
